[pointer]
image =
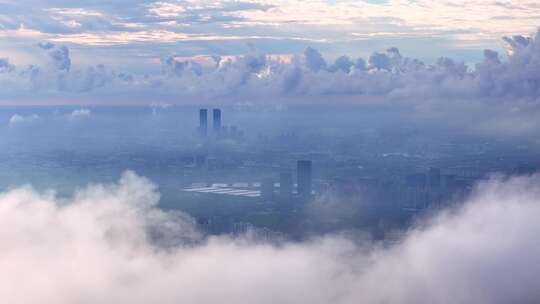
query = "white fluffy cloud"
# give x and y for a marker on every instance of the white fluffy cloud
(80, 113)
(17, 119)
(59, 55)
(109, 244)
(5, 66)
(387, 75)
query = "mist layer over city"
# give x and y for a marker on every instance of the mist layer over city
(269, 152)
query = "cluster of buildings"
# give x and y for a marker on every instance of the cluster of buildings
(432, 188)
(270, 188)
(218, 130)
(272, 177)
(287, 189)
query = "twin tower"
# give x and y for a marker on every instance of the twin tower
(203, 121)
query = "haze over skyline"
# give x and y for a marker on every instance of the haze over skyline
(269, 151)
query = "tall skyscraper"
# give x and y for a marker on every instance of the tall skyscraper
(304, 178)
(285, 185)
(203, 122)
(217, 120)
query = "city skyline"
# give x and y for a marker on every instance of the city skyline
(269, 151)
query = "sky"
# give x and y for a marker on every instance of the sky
(469, 65)
(145, 51)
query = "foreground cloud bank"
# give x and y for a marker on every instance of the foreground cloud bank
(96, 248)
(301, 78)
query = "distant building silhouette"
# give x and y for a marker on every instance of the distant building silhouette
(434, 178)
(448, 180)
(304, 178)
(234, 133)
(203, 122)
(285, 185)
(217, 120)
(267, 189)
(416, 180)
(416, 194)
(201, 161)
(526, 169)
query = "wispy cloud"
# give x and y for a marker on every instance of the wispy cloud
(161, 36)
(315, 19)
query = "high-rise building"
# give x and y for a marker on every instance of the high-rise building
(203, 122)
(217, 120)
(285, 185)
(267, 189)
(304, 178)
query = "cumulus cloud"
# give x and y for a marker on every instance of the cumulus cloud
(5, 66)
(388, 75)
(80, 113)
(342, 63)
(173, 67)
(489, 92)
(314, 60)
(58, 78)
(17, 119)
(379, 61)
(59, 55)
(46, 45)
(110, 244)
